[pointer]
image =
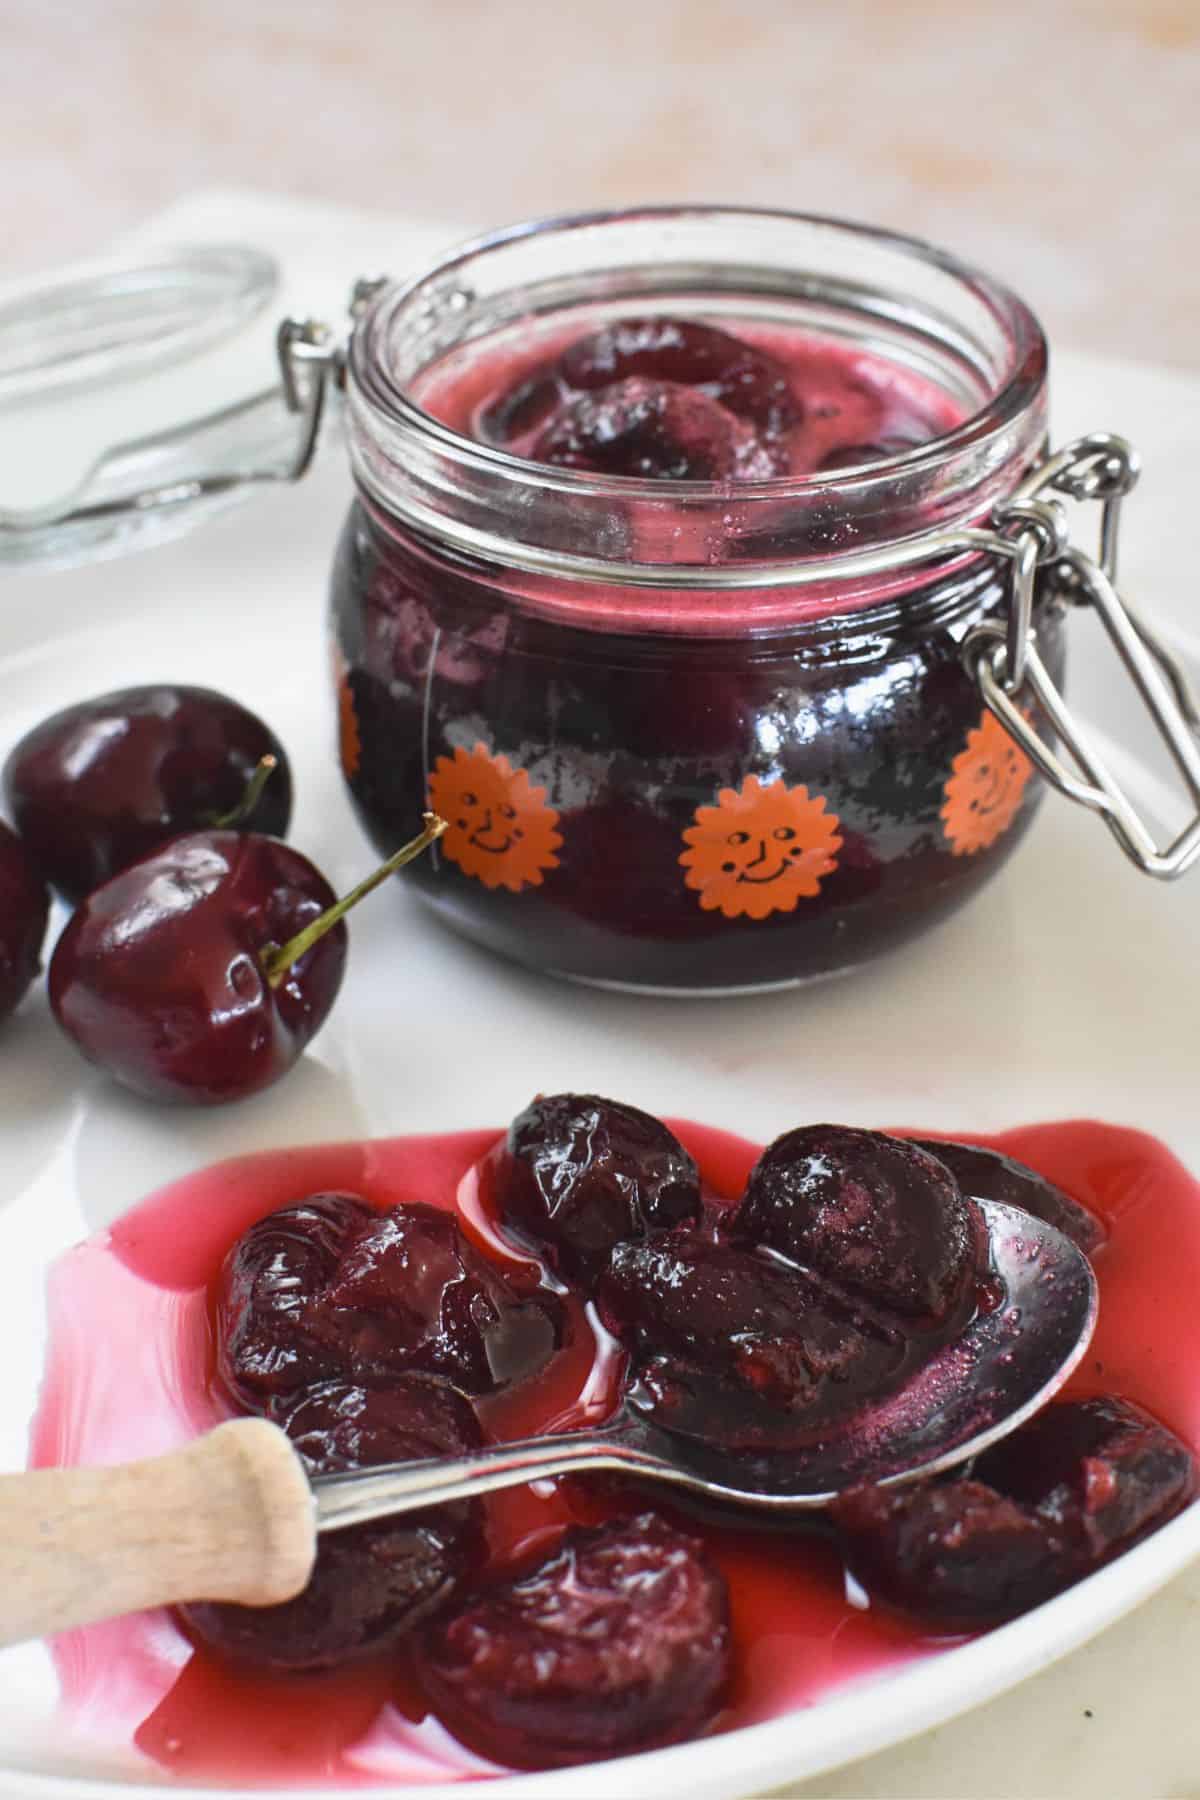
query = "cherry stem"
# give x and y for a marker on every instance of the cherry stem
(238, 814)
(276, 959)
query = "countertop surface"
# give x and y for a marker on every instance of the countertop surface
(1057, 145)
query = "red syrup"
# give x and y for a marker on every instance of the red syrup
(130, 1372)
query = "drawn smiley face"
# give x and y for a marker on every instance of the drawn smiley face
(760, 849)
(985, 789)
(499, 828)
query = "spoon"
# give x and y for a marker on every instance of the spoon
(234, 1516)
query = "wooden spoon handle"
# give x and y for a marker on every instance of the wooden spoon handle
(230, 1517)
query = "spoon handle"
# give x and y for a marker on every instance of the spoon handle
(394, 1488)
(229, 1517)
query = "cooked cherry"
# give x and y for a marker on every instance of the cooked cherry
(372, 1583)
(1079, 1483)
(737, 1347)
(579, 1175)
(990, 1175)
(24, 909)
(521, 409)
(103, 783)
(748, 381)
(1102, 1472)
(267, 1283)
(956, 1554)
(653, 429)
(618, 1642)
(880, 1217)
(331, 1287)
(200, 973)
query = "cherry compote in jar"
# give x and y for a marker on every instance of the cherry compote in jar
(666, 560)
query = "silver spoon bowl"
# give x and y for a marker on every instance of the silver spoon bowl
(1006, 1364)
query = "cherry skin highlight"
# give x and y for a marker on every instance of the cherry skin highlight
(160, 975)
(619, 1641)
(104, 782)
(24, 910)
(371, 1583)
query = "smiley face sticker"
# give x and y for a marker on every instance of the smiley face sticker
(985, 789)
(762, 848)
(499, 828)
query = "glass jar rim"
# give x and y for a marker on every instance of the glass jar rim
(372, 377)
(897, 297)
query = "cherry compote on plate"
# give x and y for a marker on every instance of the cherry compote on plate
(418, 1297)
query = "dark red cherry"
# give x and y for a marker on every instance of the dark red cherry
(1080, 1482)
(1102, 1472)
(265, 1346)
(200, 973)
(955, 1554)
(653, 429)
(990, 1175)
(746, 380)
(737, 1347)
(24, 909)
(617, 1642)
(372, 1583)
(102, 783)
(579, 1174)
(876, 1215)
(333, 1288)
(522, 408)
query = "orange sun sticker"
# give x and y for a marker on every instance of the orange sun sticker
(760, 849)
(499, 827)
(349, 742)
(985, 789)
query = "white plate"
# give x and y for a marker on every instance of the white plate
(1071, 987)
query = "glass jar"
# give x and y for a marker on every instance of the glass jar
(688, 736)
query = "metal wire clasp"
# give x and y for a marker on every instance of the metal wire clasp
(1007, 665)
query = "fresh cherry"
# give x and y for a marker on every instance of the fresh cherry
(579, 1174)
(1079, 1483)
(372, 1583)
(200, 973)
(332, 1288)
(990, 1175)
(24, 909)
(103, 783)
(617, 1642)
(883, 1219)
(737, 1347)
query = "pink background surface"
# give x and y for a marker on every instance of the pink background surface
(1058, 145)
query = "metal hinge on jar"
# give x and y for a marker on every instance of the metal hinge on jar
(1033, 534)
